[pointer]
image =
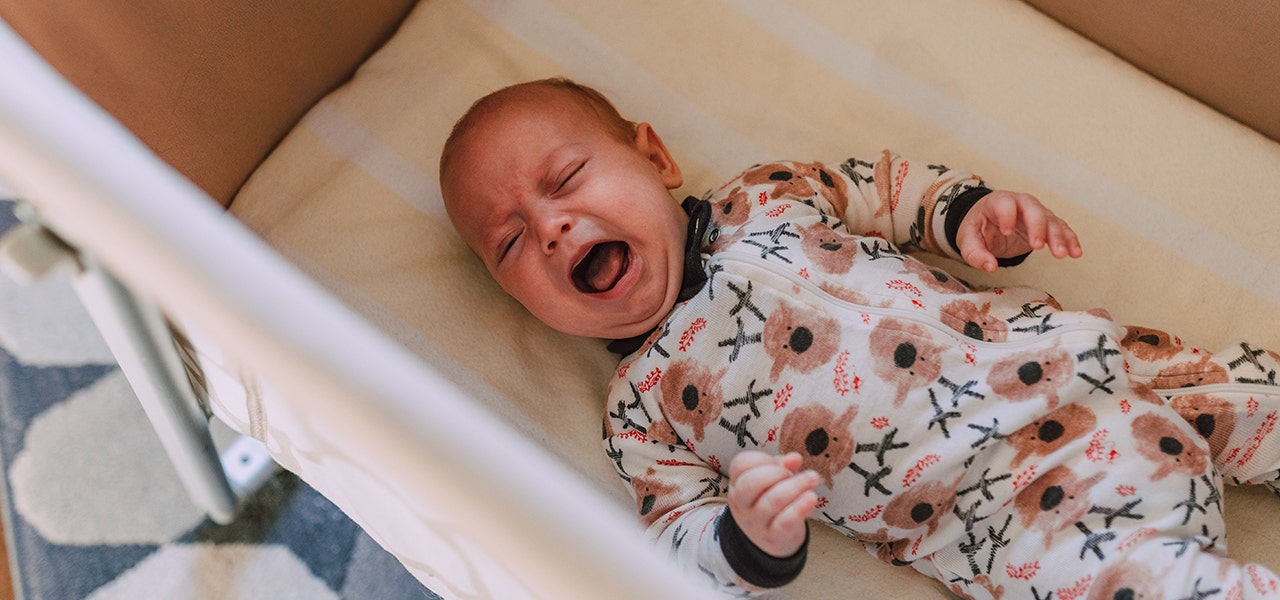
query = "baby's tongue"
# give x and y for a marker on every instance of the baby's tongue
(605, 265)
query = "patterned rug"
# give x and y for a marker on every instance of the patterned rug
(93, 508)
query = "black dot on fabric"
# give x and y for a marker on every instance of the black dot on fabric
(974, 330)
(1124, 594)
(647, 503)
(1150, 339)
(921, 512)
(1031, 373)
(1052, 497)
(801, 340)
(826, 179)
(690, 397)
(940, 276)
(1050, 431)
(780, 176)
(727, 208)
(1170, 446)
(1205, 424)
(816, 442)
(904, 355)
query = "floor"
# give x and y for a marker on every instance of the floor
(6, 580)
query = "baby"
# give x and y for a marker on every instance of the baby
(785, 361)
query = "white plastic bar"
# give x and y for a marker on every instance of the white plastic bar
(106, 194)
(139, 339)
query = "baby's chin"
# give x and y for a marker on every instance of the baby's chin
(610, 326)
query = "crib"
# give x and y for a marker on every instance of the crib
(281, 216)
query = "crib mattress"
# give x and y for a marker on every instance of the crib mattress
(1171, 200)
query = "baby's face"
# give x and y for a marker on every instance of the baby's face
(572, 222)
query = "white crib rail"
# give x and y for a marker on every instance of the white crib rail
(106, 194)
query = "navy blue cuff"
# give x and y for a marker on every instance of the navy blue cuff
(754, 565)
(956, 212)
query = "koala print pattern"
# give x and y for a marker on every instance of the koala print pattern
(986, 438)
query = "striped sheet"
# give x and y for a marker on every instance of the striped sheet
(1174, 202)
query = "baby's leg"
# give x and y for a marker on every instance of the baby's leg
(1134, 513)
(1230, 397)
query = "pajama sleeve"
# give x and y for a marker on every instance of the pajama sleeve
(904, 201)
(681, 499)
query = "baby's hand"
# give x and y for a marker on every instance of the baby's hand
(1005, 224)
(770, 501)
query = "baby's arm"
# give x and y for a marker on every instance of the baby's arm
(945, 211)
(685, 501)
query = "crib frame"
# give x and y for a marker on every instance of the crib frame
(149, 245)
(145, 347)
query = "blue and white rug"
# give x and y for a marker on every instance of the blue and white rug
(93, 508)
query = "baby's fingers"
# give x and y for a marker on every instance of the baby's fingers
(785, 493)
(1063, 241)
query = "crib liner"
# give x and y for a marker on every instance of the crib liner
(1164, 191)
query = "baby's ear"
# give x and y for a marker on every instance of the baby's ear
(650, 146)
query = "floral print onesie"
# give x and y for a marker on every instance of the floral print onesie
(986, 438)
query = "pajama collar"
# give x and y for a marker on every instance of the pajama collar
(694, 277)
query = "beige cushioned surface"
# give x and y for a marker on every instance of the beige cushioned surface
(1172, 200)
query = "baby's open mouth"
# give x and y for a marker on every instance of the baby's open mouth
(602, 267)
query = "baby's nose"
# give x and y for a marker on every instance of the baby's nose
(553, 239)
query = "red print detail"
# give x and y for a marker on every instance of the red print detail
(633, 434)
(1268, 425)
(913, 474)
(1100, 448)
(671, 462)
(897, 183)
(673, 515)
(1126, 490)
(1023, 572)
(880, 422)
(650, 380)
(1133, 538)
(1024, 477)
(763, 198)
(1232, 455)
(821, 503)
(904, 286)
(1253, 406)
(866, 318)
(622, 371)
(842, 381)
(774, 212)
(804, 272)
(871, 513)
(714, 462)
(773, 434)
(1077, 590)
(1125, 407)
(1236, 592)
(1261, 582)
(781, 398)
(686, 339)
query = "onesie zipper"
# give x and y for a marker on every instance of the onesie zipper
(897, 313)
(1220, 388)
